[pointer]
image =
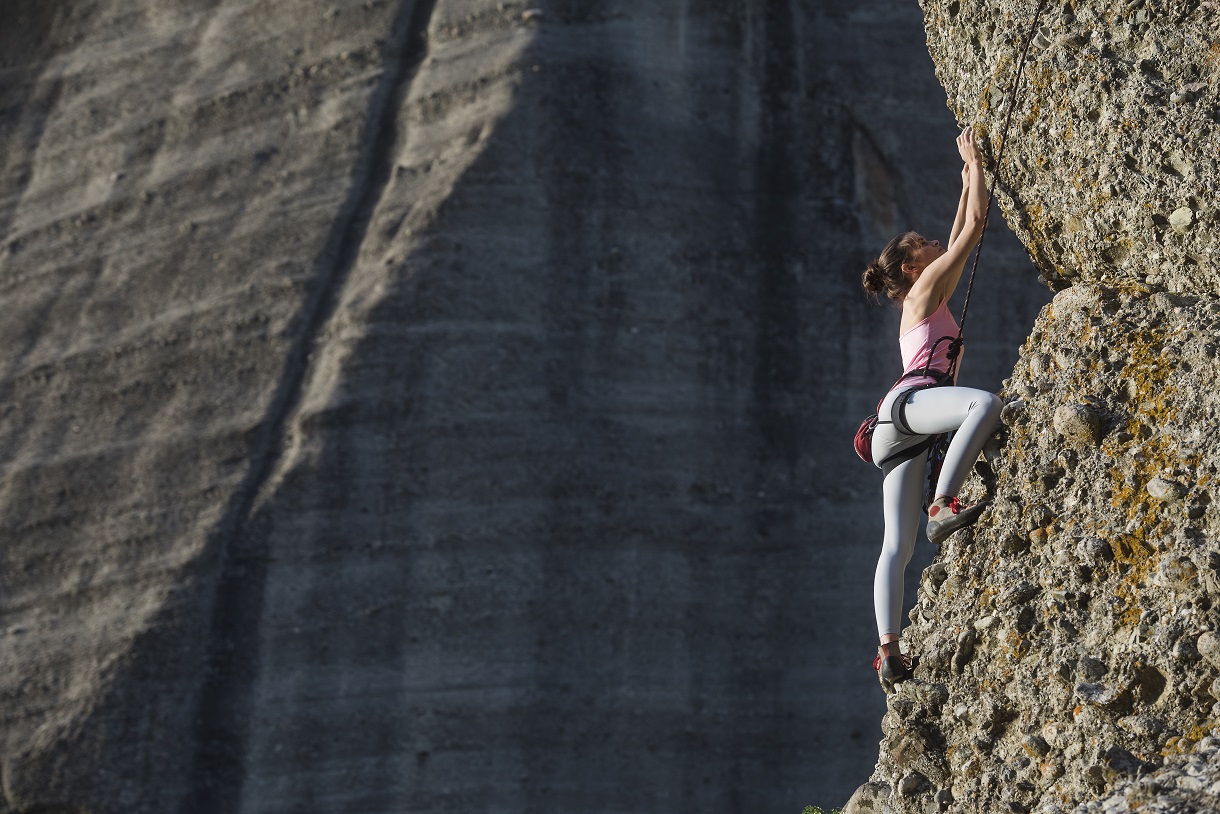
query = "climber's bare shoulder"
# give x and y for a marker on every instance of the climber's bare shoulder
(918, 306)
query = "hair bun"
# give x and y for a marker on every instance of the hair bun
(873, 278)
(885, 273)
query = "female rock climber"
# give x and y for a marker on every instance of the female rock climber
(920, 275)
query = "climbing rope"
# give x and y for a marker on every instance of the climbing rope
(956, 346)
(936, 456)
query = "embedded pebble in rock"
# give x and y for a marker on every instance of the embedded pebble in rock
(1178, 573)
(986, 623)
(1092, 669)
(1093, 550)
(1209, 646)
(1037, 746)
(1012, 411)
(912, 784)
(1163, 489)
(1077, 423)
(1098, 692)
(1181, 219)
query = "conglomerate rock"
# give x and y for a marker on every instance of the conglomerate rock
(1070, 655)
(1110, 173)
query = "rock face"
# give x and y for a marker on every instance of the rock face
(1112, 151)
(1069, 642)
(442, 405)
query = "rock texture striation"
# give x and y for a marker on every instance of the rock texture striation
(442, 405)
(1071, 642)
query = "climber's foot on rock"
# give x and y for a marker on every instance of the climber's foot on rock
(946, 515)
(893, 669)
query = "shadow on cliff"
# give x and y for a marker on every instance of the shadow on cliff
(593, 537)
(241, 538)
(613, 551)
(629, 579)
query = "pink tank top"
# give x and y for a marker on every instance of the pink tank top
(916, 345)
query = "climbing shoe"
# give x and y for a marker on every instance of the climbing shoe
(947, 516)
(893, 670)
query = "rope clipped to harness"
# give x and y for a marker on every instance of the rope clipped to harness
(936, 461)
(938, 444)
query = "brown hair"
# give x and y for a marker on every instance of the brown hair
(885, 273)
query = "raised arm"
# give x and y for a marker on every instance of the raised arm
(960, 218)
(972, 208)
(941, 276)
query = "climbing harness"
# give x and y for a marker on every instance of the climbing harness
(864, 435)
(939, 444)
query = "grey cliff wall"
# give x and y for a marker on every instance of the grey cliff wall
(443, 405)
(1071, 659)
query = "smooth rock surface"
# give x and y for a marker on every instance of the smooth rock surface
(444, 405)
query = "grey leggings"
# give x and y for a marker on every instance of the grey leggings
(973, 414)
